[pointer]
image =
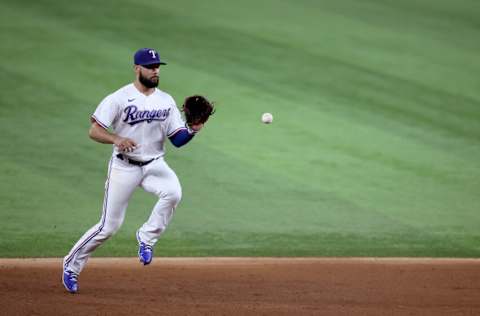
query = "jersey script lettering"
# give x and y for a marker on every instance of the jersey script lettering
(134, 116)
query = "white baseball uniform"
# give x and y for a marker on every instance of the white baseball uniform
(148, 120)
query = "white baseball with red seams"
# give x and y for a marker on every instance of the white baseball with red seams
(148, 120)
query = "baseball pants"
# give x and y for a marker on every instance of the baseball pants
(123, 178)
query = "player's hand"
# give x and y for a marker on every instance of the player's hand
(125, 144)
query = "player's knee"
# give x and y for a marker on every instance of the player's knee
(105, 234)
(174, 195)
(110, 229)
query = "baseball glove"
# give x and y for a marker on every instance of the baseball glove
(197, 109)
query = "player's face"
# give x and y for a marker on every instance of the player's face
(148, 75)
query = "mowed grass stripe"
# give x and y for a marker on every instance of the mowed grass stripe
(373, 149)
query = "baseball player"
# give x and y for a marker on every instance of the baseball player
(137, 119)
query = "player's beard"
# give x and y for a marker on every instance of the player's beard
(149, 83)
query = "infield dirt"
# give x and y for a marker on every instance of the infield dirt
(244, 286)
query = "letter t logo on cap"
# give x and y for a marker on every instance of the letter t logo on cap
(147, 56)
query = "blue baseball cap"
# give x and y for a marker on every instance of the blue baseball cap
(147, 56)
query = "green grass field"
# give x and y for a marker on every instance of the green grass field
(374, 149)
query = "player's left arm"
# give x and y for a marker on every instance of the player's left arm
(184, 135)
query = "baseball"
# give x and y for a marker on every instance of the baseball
(267, 118)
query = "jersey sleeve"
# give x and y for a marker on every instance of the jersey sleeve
(175, 121)
(107, 111)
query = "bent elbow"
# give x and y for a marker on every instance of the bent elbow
(91, 133)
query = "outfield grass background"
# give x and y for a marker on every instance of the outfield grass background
(374, 149)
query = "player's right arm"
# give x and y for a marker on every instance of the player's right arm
(101, 135)
(105, 114)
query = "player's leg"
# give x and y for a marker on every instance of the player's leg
(121, 183)
(162, 181)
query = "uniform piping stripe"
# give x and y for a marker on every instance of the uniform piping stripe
(176, 131)
(104, 215)
(99, 122)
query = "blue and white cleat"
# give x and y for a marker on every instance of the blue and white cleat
(70, 282)
(145, 252)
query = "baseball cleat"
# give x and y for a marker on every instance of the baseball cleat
(145, 253)
(69, 279)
